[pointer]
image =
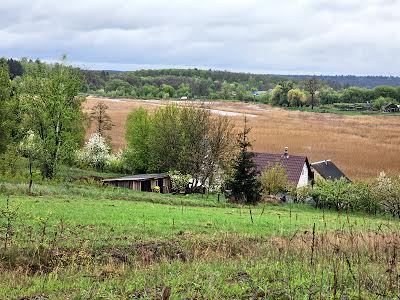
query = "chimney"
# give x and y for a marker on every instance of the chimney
(286, 153)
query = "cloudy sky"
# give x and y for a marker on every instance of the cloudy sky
(263, 36)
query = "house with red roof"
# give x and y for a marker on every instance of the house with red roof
(298, 169)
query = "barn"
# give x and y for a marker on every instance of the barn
(298, 169)
(143, 182)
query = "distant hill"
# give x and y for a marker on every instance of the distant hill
(352, 80)
(335, 81)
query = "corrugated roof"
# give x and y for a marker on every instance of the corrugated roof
(293, 164)
(138, 177)
(328, 170)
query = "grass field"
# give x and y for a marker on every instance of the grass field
(360, 145)
(77, 241)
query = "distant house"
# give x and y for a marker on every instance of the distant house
(143, 182)
(259, 93)
(390, 107)
(326, 169)
(298, 169)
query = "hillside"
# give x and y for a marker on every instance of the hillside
(82, 241)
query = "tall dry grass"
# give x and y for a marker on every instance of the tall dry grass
(361, 146)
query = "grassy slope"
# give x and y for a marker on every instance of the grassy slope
(227, 256)
(112, 219)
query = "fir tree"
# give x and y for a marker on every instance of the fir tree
(244, 183)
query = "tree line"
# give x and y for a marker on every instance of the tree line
(290, 90)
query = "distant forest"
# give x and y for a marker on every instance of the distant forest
(282, 90)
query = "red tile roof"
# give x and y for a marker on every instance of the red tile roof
(293, 164)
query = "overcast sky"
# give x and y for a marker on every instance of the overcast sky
(265, 36)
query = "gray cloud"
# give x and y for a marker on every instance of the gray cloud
(287, 36)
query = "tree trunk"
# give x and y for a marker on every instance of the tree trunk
(30, 178)
(312, 101)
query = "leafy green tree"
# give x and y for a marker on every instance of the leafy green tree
(149, 91)
(296, 97)
(327, 95)
(381, 101)
(5, 96)
(244, 184)
(356, 95)
(363, 198)
(226, 90)
(52, 111)
(183, 90)
(168, 90)
(274, 180)
(333, 193)
(138, 134)
(386, 92)
(166, 139)
(277, 95)
(186, 139)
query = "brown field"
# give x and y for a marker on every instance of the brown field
(361, 146)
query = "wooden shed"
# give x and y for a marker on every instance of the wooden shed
(143, 182)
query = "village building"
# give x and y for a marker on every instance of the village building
(143, 182)
(390, 107)
(298, 169)
(327, 170)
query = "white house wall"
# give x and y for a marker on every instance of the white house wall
(303, 181)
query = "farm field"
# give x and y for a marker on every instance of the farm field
(88, 242)
(361, 146)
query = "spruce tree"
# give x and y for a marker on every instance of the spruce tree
(244, 183)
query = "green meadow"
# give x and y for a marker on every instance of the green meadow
(85, 241)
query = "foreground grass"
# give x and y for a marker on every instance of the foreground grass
(76, 241)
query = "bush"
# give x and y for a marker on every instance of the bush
(363, 199)
(115, 163)
(179, 181)
(274, 180)
(332, 194)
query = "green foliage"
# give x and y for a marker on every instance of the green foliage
(139, 129)
(327, 96)
(179, 181)
(186, 139)
(5, 96)
(52, 111)
(386, 190)
(274, 180)
(244, 184)
(379, 102)
(296, 97)
(363, 198)
(332, 194)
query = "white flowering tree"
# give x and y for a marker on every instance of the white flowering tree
(95, 153)
(387, 192)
